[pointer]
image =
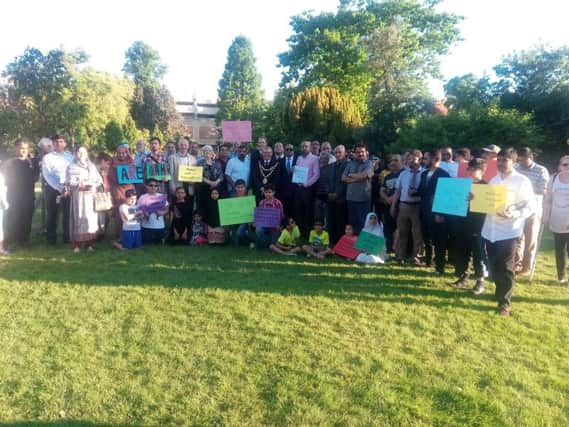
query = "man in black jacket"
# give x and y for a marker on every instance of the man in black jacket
(434, 226)
(285, 187)
(267, 170)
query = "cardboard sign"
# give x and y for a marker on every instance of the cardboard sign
(190, 173)
(491, 170)
(267, 217)
(129, 174)
(489, 199)
(157, 171)
(150, 204)
(300, 175)
(370, 243)
(345, 247)
(236, 131)
(451, 196)
(236, 210)
(462, 169)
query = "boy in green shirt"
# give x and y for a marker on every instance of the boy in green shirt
(287, 243)
(318, 242)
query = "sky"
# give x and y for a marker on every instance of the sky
(192, 37)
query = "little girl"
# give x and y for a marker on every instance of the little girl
(215, 233)
(199, 230)
(3, 207)
(130, 215)
(181, 218)
(345, 246)
(372, 226)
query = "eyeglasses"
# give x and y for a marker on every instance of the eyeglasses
(288, 149)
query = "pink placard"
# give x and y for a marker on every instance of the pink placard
(491, 170)
(345, 247)
(236, 131)
(462, 169)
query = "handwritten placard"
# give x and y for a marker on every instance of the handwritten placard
(267, 217)
(236, 131)
(345, 247)
(190, 173)
(451, 196)
(236, 210)
(489, 199)
(150, 204)
(370, 243)
(129, 174)
(158, 171)
(300, 175)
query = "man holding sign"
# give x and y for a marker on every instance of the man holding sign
(304, 202)
(502, 230)
(182, 159)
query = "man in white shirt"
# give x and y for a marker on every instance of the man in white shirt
(238, 168)
(54, 169)
(501, 231)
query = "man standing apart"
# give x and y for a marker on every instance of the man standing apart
(54, 168)
(539, 176)
(502, 230)
(304, 197)
(357, 176)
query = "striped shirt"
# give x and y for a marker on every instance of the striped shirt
(538, 176)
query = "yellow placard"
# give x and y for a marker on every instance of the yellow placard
(190, 173)
(489, 199)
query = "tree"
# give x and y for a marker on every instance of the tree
(321, 113)
(239, 91)
(467, 91)
(537, 81)
(374, 52)
(152, 105)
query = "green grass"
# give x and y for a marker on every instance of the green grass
(238, 337)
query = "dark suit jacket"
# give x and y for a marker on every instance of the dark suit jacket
(285, 186)
(427, 189)
(257, 179)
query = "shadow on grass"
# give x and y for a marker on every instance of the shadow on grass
(61, 423)
(244, 270)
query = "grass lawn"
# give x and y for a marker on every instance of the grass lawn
(238, 337)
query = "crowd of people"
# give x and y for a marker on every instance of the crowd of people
(344, 193)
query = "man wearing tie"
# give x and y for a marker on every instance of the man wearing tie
(285, 188)
(266, 171)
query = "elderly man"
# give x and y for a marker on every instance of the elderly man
(140, 152)
(181, 158)
(326, 148)
(538, 175)
(304, 201)
(279, 150)
(266, 171)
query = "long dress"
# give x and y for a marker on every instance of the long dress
(20, 176)
(83, 218)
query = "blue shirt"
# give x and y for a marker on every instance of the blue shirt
(237, 169)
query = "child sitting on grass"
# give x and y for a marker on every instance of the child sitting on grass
(318, 242)
(199, 230)
(347, 240)
(287, 243)
(215, 232)
(267, 236)
(130, 215)
(180, 217)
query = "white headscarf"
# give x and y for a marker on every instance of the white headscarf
(375, 229)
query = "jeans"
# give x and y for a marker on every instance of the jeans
(266, 237)
(53, 208)
(561, 246)
(241, 235)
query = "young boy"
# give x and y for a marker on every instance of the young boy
(131, 235)
(318, 242)
(154, 206)
(287, 243)
(180, 217)
(267, 236)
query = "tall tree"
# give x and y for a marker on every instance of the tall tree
(152, 106)
(239, 93)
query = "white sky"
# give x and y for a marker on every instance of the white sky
(192, 37)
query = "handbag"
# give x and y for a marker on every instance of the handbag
(103, 201)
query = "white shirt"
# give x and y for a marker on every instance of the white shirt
(130, 223)
(521, 201)
(54, 169)
(237, 169)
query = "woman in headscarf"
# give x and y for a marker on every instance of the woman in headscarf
(372, 226)
(82, 180)
(118, 191)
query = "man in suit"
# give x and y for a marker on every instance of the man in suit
(285, 187)
(267, 170)
(434, 226)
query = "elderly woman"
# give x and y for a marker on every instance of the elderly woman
(556, 214)
(82, 180)
(212, 176)
(118, 191)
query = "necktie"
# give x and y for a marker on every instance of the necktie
(288, 164)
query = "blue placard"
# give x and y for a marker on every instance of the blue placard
(129, 174)
(451, 196)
